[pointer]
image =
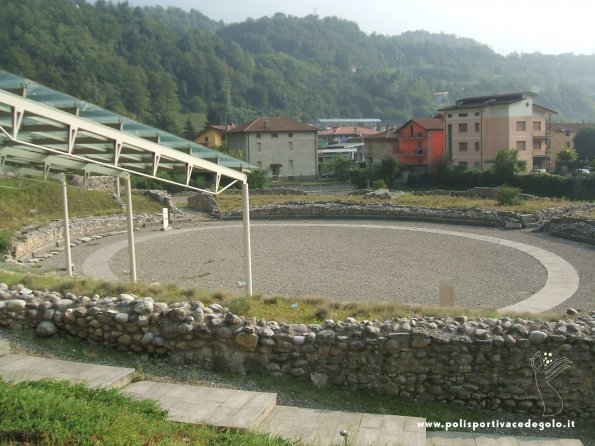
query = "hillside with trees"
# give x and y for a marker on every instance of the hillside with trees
(177, 70)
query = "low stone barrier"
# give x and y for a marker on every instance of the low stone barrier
(34, 237)
(346, 209)
(503, 363)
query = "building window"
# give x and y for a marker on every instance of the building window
(259, 147)
(206, 139)
(520, 145)
(476, 164)
(462, 115)
(258, 136)
(462, 146)
(477, 146)
(449, 115)
(476, 127)
(477, 114)
(291, 164)
(463, 127)
(259, 164)
(290, 146)
(274, 135)
(290, 135)
(420, 134)
(536, 144)
(411, 132)
(520, 126)
(463, 163)
(537, 126)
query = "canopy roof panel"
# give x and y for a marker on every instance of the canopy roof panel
(51, 132)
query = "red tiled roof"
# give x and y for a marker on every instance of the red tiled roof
(428, 124)
(273, 124)
(390, 133)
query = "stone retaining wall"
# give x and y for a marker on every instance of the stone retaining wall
(473, 363)
(387, 211)
(35, 237)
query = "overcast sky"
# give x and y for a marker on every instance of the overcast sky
(523, 26)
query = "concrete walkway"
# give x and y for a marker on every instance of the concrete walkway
(257, 411)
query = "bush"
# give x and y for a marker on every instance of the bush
(5, 237)
(379, 184)
(507, 195)
(257, 179)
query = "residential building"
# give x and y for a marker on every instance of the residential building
(421, 143)
(285, 148)
(416, 144)
(476, 128)
(345, 142)
(213, 136)
(562, 135)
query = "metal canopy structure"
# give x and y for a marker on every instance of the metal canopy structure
(47, 133)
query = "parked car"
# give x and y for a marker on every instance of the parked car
(581, 171)
(537, 170)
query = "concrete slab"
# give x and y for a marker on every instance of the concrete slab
(476, 439)
(4, 348)
(207, 405)
(16, 368)
(323, 427)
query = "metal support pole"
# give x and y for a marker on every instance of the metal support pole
(131, 252)
(66, 228)
(247, 248)
(118, 190)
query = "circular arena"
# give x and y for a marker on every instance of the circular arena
(373, 260)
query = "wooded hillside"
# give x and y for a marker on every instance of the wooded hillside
(163, 66)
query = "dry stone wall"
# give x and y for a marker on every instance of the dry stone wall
(466, 362)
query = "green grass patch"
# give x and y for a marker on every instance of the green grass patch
(23, 202)
(229, 202)
(307, 309)
(57, 413)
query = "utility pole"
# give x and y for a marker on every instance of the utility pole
(227, 87)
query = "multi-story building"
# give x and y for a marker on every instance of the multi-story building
(562, 135)
(477, 128)
(285, 148)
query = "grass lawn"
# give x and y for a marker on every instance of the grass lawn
(25, 202)
(229, 202)
(56, 413)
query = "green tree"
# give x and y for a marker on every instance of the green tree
(340, 167)
(566, 159)
(189, 130)
(257, 179)
(507, 164)
(584, 142)
(388, 170)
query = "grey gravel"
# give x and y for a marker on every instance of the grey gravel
(354, 263)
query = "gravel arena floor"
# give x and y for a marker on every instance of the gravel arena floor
(343, 260)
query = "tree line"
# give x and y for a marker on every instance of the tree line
(179, 70)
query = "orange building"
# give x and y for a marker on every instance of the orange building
(420, 143)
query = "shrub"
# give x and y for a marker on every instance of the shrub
(5, 237)
(379, 184)
(507, 195)
(257, 179)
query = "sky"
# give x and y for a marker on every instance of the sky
(506, 26)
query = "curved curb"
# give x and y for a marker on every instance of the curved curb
(562, 278)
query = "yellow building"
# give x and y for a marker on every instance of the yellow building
(213, 136)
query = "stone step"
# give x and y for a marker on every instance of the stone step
(476, 439)
(237, 409)
(17, 367)
(324, 427)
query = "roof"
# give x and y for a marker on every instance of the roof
(217, 128)
(273, 124)
(488, 101)
(428, 124)
(348, 131)
(389, 133)
(53, 132)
